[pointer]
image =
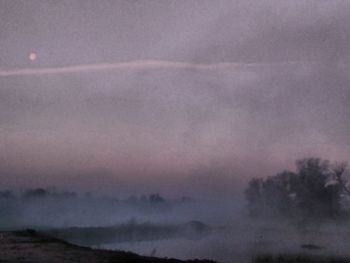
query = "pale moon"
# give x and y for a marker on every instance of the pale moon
(33, 56)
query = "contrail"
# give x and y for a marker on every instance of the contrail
(138, 64)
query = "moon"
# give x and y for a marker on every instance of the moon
(32, 56)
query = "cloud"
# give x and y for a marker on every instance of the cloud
(136, 65)
(249, 85)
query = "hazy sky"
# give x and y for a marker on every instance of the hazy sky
(170, 96)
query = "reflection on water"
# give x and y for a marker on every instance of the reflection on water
(241, 243)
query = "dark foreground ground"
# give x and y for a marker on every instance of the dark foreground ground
(30, 246)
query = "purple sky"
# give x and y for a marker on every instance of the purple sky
(180, 97)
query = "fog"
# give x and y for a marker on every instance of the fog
(145, 94)
(181, 228)
(151, 130)
(104, 104)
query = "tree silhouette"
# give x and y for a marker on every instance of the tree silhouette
(314, 189)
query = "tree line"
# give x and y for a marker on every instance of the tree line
(317, 188)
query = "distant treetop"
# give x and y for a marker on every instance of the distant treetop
(317, 188)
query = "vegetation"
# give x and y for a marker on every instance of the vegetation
(316, 189)
(30, 246)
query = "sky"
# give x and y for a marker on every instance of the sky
(182, 97)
